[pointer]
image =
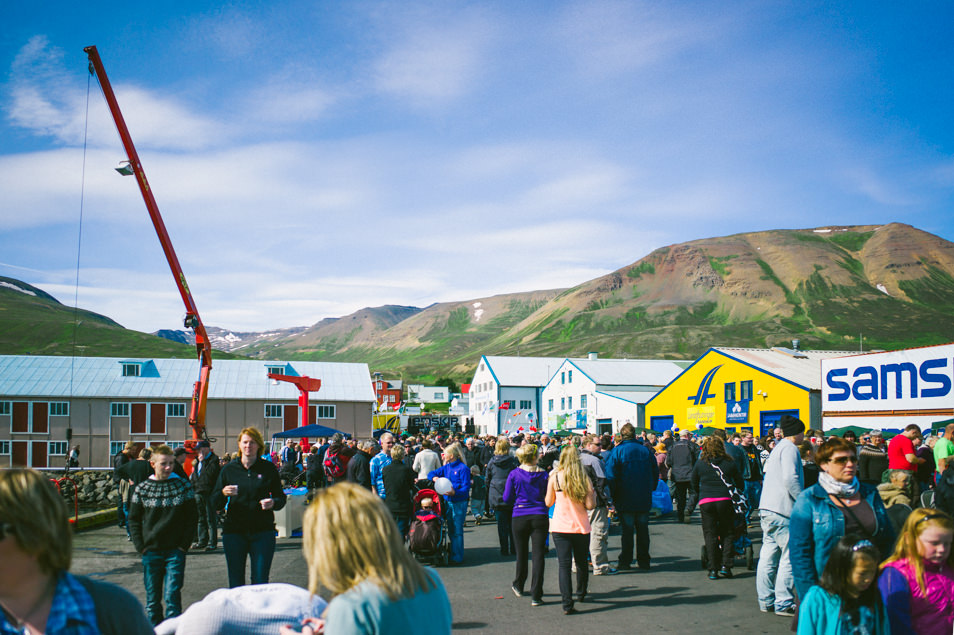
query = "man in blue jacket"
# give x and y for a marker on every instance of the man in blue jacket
(632, 474)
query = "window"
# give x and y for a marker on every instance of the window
(550, 406)
(525, 404)
(175, 410)
(4, 447)
(131, 370)
(562, 403)
(562, 378)
(745, 388)
(511, 404)
(326, 412)
(115, 447)
(119, 410)
(582, 401)
(175, 444)
(569, 403)
(569, 377)
(59, 408)
(56, 448)
(730, 392)
(4, 407)
(273, 411)
(275, 370)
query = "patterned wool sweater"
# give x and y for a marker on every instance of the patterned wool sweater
(162, 514)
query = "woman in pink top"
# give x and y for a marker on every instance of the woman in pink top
(573, 494)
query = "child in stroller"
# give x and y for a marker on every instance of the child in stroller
(427, 537)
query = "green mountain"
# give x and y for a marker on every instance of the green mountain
(32, 322)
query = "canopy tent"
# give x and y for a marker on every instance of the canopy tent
(309, 432)
(840, 432)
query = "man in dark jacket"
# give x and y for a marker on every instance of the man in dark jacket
(122, 458)
(680, 460)
(359, 467)
(632, 474)
(204, 476)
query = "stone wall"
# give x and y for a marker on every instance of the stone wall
(96, 488)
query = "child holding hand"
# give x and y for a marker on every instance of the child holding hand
(917, 581)
(846, 599)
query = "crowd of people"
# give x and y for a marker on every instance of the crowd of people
(864, 546)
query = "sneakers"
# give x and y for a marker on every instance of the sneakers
(713, 574)
(788, 611)
(536, 602)
(726, 572)
(516, 591)
(605, 571)
(624, 567)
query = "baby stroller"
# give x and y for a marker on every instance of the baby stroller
(427, 537)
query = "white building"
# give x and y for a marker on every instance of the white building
(428, 394)
(600, 395)
(514, 381)
(890, 390)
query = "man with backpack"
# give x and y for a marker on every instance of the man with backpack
(680, 461)
(336, 460)
(599, 515)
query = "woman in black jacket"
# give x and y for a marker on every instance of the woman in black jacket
(498, 468)
(709, 477)
(250, 491)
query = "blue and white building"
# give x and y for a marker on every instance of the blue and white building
(515, 381)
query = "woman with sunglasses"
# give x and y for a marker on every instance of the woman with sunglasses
(839, 504)
(917, 581)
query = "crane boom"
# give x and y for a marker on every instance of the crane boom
(192, 320)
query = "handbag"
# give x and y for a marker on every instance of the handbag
(739, 503)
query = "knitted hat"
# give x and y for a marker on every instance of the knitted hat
(790, 425)
(246, 610)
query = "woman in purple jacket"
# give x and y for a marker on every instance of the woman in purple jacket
(526, 490)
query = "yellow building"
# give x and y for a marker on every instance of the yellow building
(742, 389)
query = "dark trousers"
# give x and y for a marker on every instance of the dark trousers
(718, 529)
(403, 524)
(258, 548)
(504, 515)
(682, 489)
(163, 571)
(630, 523)
(569, 548)
(208, 529)
(533, 529)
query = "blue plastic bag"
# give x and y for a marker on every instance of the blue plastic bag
(662, 502)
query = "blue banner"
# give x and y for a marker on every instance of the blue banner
(736, 412)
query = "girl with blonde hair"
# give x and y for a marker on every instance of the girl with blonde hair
(917, 581)
(354, 550)
(570, 489)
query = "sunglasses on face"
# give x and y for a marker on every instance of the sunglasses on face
(843, 460)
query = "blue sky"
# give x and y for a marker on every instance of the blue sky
(313, 158)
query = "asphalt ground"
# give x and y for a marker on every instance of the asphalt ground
(674, 596)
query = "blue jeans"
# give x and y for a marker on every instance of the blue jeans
(773, 578)
(259, 548)
(456, 513)
(403, 524)
(637, 522)
(163, 568)
(753, 492)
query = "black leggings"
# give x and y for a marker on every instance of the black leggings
(570, 547)
(534, 529)
(718, 529)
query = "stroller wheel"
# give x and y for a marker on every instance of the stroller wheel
(705, 558)
(750, 558)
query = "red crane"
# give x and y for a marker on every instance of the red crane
(305, 385)
(192, 320)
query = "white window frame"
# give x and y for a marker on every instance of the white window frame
(275, 370)
(525, 404)
(173, 409)
(57, 448)
(582, 402)
(175, 444)
(569, 376)
(569, 402)
(6, 408)
(5, 448)
(330, 411)
(550, 406)
(562, 403)
(119, 409)
(274, 407)
(115, 447)
(132, 369)
(59, 405)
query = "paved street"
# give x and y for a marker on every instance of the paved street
(674, 597)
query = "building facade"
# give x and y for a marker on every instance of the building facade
(50, 403)
(514, 383)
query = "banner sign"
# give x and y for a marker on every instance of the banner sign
(736, 412)
(700, 416)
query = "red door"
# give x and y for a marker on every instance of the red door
(41, 420)
(291, 418)
(312, 415)
(137, 423)
(21, 418)
(157, 418)
(20, 453)
(39, 453)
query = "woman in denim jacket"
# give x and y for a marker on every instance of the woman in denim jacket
(838, 504)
